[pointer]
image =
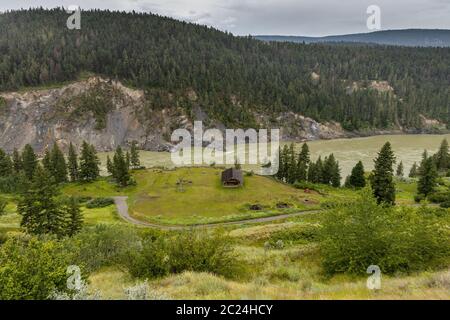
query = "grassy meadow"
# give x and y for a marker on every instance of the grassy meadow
(278, 260)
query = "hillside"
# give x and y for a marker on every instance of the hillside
(409, 37)
(313, 91)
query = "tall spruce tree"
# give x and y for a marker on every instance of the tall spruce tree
(121, 172)
(73, 163)
(6, 164)
(427, 176)
(134, 156)
(382, 181)
(331, 172)
(291, 165)
(414, 171)
(89, 163)
(74, 217)
(47, 161)
(59, 165)
(356, 178)
(442, 157)
(399, 173)
(109, 166)
(38, 207)
(30, 161)
(302, 163)
(17, 161)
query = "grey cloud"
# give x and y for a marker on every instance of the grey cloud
(285, 17)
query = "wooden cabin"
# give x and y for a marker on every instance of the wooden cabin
(232, 178)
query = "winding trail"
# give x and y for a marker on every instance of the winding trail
(122, 209)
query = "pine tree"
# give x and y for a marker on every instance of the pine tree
(47, 161)
(382, 180)
(414, 171)
(109, 165)
(291, 165)
(336, 175)
(302, 163)
(74, 217)
(6, 165)
(134, 156)
(17, 161)
(59, 166)
(89, 163)
(73, 163)
(442, 157)
(38, 207)
(120, 168)
(312, 173)
(128, 160)
(356, 178)
(29, 161)
(427, 176)
(400, 169)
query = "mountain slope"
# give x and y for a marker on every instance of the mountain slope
(410, 37)
(228, 81)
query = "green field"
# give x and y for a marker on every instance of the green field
(200, 199)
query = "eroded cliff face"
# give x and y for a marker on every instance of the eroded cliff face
(44, 116)
(69, 114)
(107, 114)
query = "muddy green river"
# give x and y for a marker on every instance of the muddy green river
(407, 148)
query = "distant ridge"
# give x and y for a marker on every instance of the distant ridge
(408, 37)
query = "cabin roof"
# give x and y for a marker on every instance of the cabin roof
(232, 174)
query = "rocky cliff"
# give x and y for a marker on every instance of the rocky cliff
(107, 114)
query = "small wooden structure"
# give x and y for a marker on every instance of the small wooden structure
(232, 178)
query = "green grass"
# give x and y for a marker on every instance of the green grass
(157, 197)
(293, 272)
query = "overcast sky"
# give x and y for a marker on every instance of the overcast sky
(282, 17)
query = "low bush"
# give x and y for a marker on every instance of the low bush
(439, 197)
(299, 234)
(32, 269)
(103, 245)
(445, 204)
(362, 233)
(99, 203)
(84, 199)
(3, 204)
(187, 251)
(419, 198)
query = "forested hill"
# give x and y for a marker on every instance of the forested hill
(409, 37)
(234, 78)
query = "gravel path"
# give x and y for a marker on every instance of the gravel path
(122, 209)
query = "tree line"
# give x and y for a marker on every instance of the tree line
(233, 77)
(298, 169)
(43, 209)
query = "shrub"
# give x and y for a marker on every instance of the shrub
(84, 199)
(103, 245)
(298, 234)
(439, 197)
(3, 204)
(187, 251)
(445, 204)
(32, 268)
(363, 233)
(99, 203)
(419, 198)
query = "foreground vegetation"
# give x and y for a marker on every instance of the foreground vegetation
(53, 230)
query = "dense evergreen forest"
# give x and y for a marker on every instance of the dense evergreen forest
(233, 77)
